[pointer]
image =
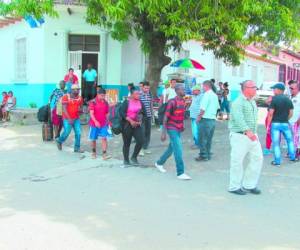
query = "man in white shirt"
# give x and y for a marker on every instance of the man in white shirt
(207, 121)
(295, 119)
(170, 92)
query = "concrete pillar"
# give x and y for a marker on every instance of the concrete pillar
(102, 61)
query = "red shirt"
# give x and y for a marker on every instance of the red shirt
(75, 78)
(73, 106)
(175, 112)
(101, 109)
(5, 98)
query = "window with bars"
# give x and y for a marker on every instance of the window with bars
(20, 59)
(84, 43)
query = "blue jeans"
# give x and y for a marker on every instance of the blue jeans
(175, 147)
(206, 132)
(276, 130)
(195, 130)
(225, 106)
(67, 130)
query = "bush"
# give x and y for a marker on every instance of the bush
(32, 105)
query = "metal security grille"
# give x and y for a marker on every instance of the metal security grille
(84, 43)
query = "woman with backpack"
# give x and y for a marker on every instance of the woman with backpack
(132, 113)
(56, 108)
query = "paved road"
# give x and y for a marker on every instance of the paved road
(52, 200)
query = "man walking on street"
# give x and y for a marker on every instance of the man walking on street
(295, 119)
(71, 104)
(281, 110)
(99, 110)
(146, 99)
(207, 121)
(244, 143)
(173, 124)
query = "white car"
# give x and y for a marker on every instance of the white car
(263, 93)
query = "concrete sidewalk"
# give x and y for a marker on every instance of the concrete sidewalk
(51, 200)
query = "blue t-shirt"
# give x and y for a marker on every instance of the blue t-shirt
(90, 75)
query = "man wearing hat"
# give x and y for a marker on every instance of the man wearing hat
(194, 112)
(281, 110)
(71, 104)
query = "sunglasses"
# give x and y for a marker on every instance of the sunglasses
(254, 87)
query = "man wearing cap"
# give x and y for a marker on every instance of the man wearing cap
(281, 110)
(71, 104)
(194, 112)
(207, 121)
(244, 143)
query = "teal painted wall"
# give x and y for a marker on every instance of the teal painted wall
(40, 93)
(29, 93)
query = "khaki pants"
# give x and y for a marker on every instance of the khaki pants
(242, 148)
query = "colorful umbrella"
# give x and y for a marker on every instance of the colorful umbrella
(187, 64)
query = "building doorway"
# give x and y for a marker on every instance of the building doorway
(89, 58)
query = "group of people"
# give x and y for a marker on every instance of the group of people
(136, 117)
(89, 78)
(8, 103)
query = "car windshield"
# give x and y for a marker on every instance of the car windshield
(266, 86)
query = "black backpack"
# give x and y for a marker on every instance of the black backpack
(161, 113)
(115, 119)
(43, 114)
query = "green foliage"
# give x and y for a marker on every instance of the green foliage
(21, 8)
(32, 105)
(223, 26)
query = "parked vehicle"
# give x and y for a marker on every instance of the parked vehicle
(263, 93)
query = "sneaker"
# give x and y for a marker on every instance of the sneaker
(78, 151)
(238, 192)
(267, 151)
(134, 161)
(275, 164)
(126, 164)
(160, 168)
(252, 190)
(184, 177)
(94, 155)
(59, 145)
(106, 157)
(200, 158)
(147, 152)
(142, 153)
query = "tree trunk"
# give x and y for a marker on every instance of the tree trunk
(156, 61)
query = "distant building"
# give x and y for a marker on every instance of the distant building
(258, 65)
(290, 69)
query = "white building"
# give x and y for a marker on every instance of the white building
(34, 60)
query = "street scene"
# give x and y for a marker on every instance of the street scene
(149, 125)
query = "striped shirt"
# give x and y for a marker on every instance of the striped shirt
(175, 113)
(146, 99)
(243, 115)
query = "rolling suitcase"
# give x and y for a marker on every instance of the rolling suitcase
(47, 132)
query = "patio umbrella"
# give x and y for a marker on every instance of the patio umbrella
(187, 64)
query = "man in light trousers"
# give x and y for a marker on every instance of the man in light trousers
(244, 143)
